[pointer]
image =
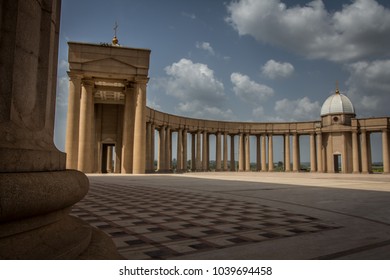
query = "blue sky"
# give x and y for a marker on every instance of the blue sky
(244, 60)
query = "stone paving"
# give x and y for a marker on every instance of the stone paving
(167, 217)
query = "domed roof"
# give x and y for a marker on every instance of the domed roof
(337, 104)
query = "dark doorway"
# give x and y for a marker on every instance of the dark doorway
(337, 163)
(107, 158)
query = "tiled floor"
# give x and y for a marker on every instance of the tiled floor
(161, 223)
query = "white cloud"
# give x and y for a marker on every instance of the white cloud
(205, 46)
(273, 69)
(62, 91)
(369, 87)
(191, 16)
(360, 29)
(248, 90)
(198, 92)
(297, 110)
(153, 104)
(193, 81)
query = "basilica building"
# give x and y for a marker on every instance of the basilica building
(110, 128)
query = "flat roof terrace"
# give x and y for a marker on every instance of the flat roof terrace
(244, 215)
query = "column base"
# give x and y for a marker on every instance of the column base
(35, 221)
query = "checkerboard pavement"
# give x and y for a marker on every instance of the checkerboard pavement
(161, 223)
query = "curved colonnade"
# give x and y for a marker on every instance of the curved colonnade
(321, 159)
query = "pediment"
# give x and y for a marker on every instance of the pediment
(109, 62)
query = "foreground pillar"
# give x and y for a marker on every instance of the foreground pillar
(198, 151)
(258, 154)
(205, 157)
(161, 150)
(193, 152)
(36, 192)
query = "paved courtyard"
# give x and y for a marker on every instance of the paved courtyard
(242, 215)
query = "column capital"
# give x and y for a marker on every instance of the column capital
(74, 76)
(86, 82)
(141, 80)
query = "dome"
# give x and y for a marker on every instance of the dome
(337, 104)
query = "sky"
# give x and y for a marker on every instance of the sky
(243, 60)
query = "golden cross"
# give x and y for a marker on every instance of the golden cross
(116, 28)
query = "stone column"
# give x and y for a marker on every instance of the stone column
(86, 136)
(258, 153)
(330, 168)
(232, 159)
(270, 153)
(364, 152)
(185, 168)
(241, 151)
(296, 161)
(319, 153)
(128, 131)
(109, 159)
(198, 151)
(179, 153)
(72, 124)
(168, 148)
(355, 152)
(385, 151)
(263, 153)
(225, 152)
(152, 149)
(193, 152)
(148, 146)
(287, 160)
(218, 151)
(313, 159)
(161, 150)
(139, 153)
(204, 151)
(369, 153)
(36, 192)
(118, 144)
(247, 153)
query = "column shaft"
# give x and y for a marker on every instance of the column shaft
(72, 124)
(319, 153)
(128, 131)
(152, 150)
(205, 151)
(296, 161)
(179, 154)
(218, 151)
(364, 152)
(184, 144)
(385, 151)
(258, 153)
(148, 146)
(109, 159)
(232, 159)
(139, 153)
(193, 152)
(287, 160)
(263, 153)
(247, 153)
(313, 160)
(355, 152)
(241, 151)
(198, 151)
(86, 143)
(168, 147)
(225, 152)
(161, 150)
(270, 153)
